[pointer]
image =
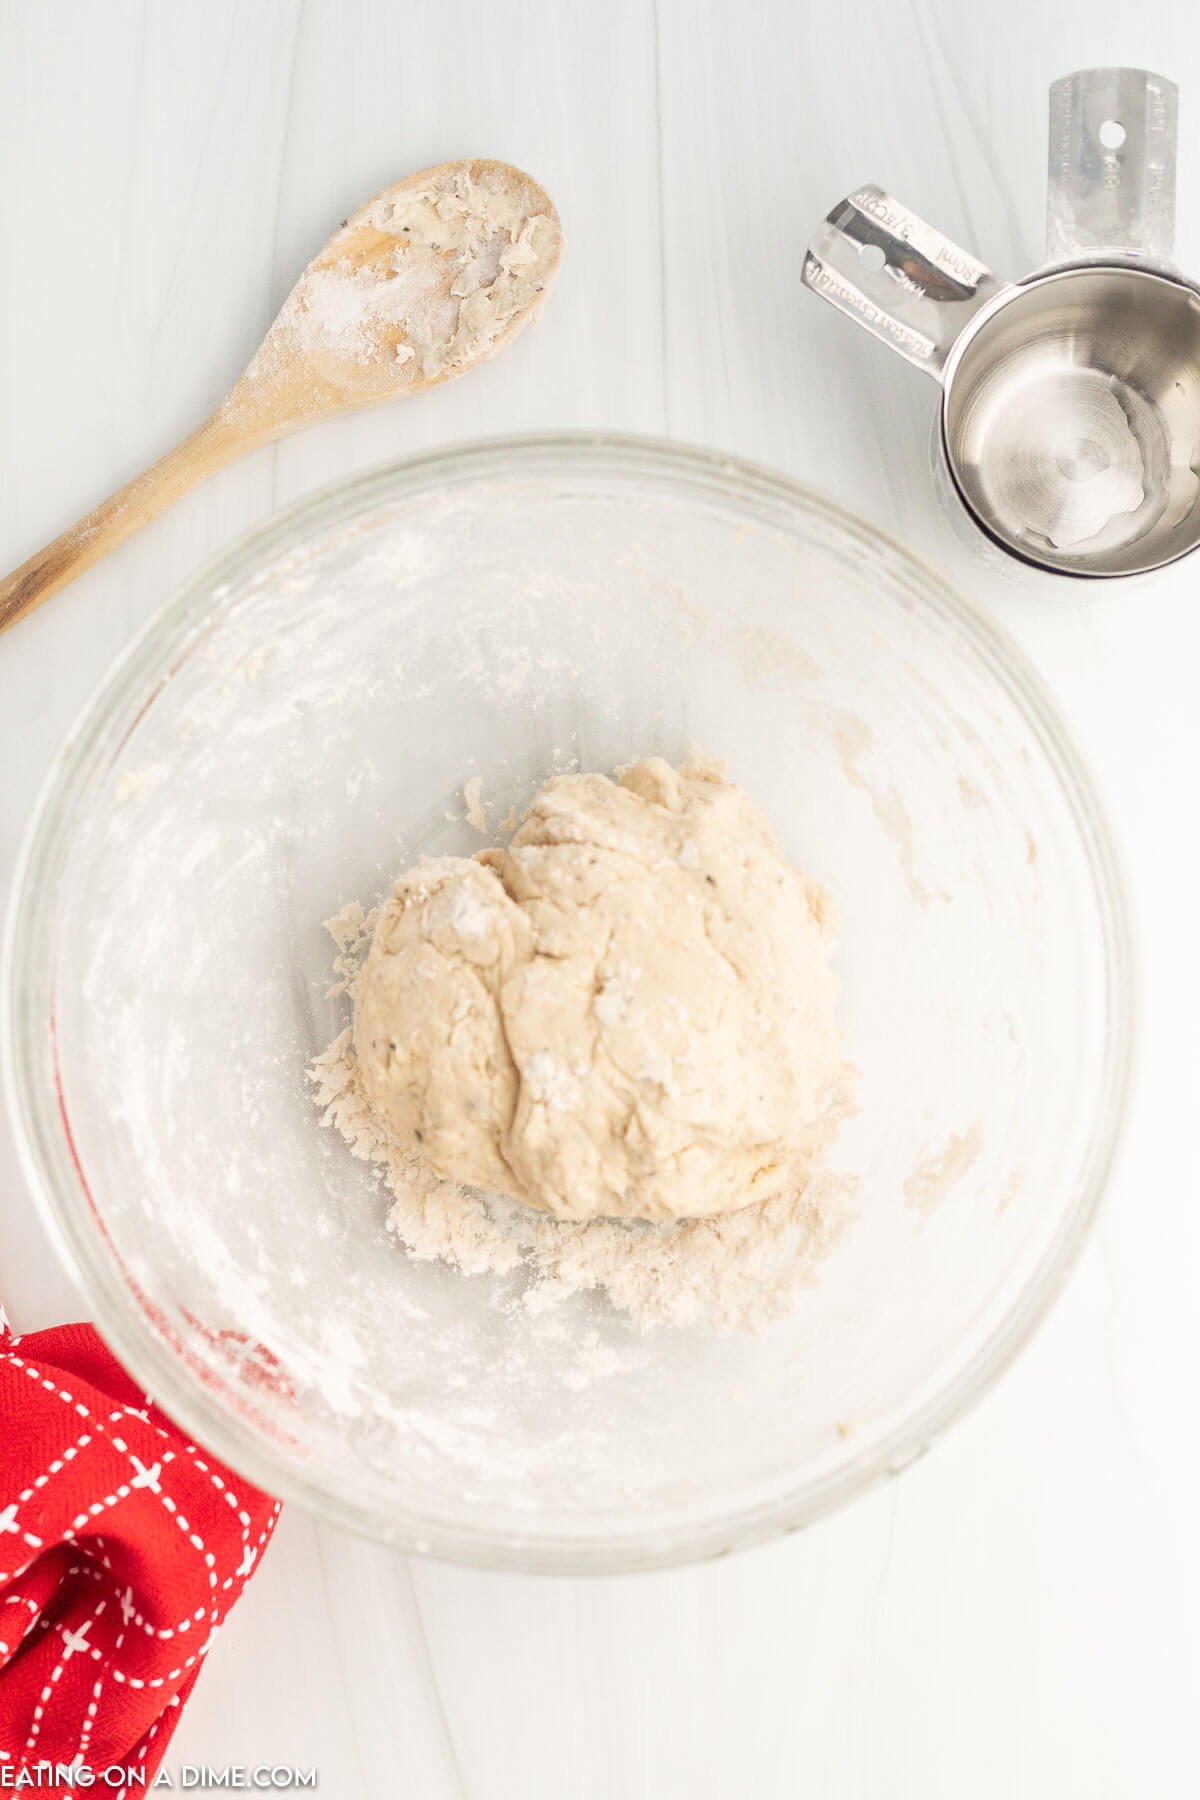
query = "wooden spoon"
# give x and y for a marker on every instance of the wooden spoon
(431, 277)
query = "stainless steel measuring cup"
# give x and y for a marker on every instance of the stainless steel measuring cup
(1069, 425)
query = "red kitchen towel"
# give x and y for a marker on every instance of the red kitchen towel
(122, 1547)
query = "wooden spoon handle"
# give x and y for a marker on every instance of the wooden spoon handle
(216, 442)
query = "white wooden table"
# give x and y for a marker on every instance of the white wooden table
(1016, 1616)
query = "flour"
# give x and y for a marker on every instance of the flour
(348, 310)
(424, 281)
(550, 1083)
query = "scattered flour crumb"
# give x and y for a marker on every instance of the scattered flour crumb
(477, 817)
(936, 1172)
(365, 774)
(351, 931)
(138, 781)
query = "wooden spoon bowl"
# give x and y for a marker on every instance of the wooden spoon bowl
(431, 277)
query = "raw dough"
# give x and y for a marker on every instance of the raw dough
(627, 1012)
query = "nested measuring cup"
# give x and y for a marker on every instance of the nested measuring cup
(1069, 426)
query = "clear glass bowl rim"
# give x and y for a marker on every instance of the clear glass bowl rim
(25, 992)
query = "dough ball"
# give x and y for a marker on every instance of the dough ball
(627, 1012)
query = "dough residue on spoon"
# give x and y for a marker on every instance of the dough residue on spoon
(431, 275)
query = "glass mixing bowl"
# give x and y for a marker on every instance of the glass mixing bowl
(298, 724)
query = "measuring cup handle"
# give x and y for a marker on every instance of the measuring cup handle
(900, 278)
(1111, 184)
